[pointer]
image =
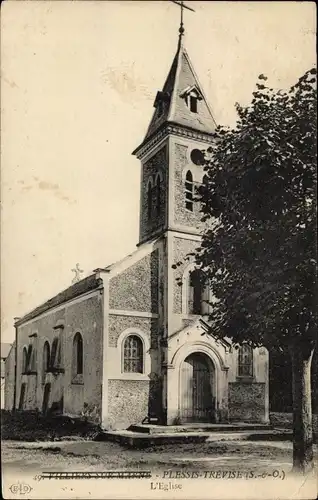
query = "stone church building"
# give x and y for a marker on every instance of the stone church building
(131, 342)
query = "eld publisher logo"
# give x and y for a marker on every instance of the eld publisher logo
(20, 488)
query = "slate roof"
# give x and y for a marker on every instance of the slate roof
(175, 110)
(77, 289)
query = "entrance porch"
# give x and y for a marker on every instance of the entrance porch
(197, 385)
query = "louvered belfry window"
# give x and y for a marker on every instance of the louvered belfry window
(133, 355)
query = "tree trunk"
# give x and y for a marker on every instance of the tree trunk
(302, 411)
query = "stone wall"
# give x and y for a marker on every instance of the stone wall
(158, 163)
(247, 401)
(182, 216)
(118, 324)
(85, 316)
(181, 248)
(128, 402)
(123, 408)
(137, 288)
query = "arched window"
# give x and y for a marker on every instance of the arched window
(158, 196)
(133, 355)
(24, 360)
(56, 353)
(189, 191)
(78, 354)
(149, 200)
(195, 292)
(245, 361)
(45, 361)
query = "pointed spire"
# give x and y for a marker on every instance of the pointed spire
(182, 100)
(173, 102)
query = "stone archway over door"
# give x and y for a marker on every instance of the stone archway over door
(197, 389)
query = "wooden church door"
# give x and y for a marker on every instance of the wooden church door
(196, 396)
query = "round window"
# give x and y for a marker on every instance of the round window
(197, 157)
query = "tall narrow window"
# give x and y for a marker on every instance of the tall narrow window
(149, 201)
(158, 196)
(46, 361)
(133, 355)
(30, 360)
(195, 289)
(78, 355)
(54, 353)
(24, 360)
(189, 191)
(245, 361)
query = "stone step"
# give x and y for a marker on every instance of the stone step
(170, 429)
(142, 440)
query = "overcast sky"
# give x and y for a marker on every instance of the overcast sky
(78, 85)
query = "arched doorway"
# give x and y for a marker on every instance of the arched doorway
(197, 393)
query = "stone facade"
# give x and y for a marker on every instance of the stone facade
(247, 401)
(136, 288)
(66, 395)
(183, 164)
(181, 249)
(156, 165)
(129, 400)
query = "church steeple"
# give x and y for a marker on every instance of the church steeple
(181, 100)
(171, 156)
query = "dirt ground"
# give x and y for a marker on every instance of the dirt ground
(28, 446)
(82, 455)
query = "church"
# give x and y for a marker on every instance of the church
(131, 342)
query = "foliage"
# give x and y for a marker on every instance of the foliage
(34, 426)
(258, 199)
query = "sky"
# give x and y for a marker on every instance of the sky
(78, 82)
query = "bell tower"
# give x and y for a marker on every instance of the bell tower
(182, 126)
(171, 152)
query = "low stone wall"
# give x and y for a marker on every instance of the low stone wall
(247, 401)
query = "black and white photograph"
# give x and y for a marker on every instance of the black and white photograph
(158, 250)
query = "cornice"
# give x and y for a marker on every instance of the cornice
(171, 129)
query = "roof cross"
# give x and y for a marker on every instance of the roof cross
(182, 6)
(78, 273)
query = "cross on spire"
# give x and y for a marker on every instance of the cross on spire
(78, 273)
(182, 6)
